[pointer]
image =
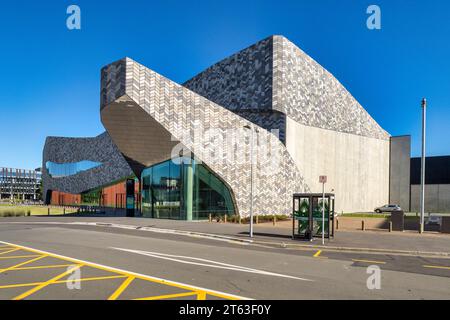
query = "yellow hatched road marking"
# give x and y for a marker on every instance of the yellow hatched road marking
(122, 288)
(17, 257)
(23, 263)
(201, 295)
(369, 261)
(169, 296)
(45, 267)
(125, 273)
(59, 281)
(91, 279)
(11, 250)
(44, 284)
(437, 267)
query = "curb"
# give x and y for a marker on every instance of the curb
(277, 244)
(220, 237)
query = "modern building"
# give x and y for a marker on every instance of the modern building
(19, 184)
(244, 135)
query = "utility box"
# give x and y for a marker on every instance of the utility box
(398, 220)
(445, 224)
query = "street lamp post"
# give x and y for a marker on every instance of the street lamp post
(422, 172)
(251, 176)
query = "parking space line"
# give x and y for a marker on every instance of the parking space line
(169, 296)
(23, 263)
(201, 292)
(44, 284)
(436, 267)
(369, 261)
(17, 257)
(9, 251)
(121, 288)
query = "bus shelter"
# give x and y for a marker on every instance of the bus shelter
(307, 215)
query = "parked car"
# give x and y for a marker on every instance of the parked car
(434, 219)
(388, 208)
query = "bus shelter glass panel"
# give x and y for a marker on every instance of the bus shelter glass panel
(317, 222)
(301, 214)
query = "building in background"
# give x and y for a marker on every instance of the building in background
(84, 171)
(189, 148)
(20, 184)
(437, 184)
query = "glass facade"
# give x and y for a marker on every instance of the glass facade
(183, 189)
(58, 170)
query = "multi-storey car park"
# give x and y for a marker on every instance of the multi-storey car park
(19, 184)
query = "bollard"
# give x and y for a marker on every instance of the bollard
(362, 225)
(274, 220)
(210, 217)
(337, 224)
(64, 211)
(390, 226)
(225, 218)
(48, 211)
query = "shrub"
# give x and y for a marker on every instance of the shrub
(12, 213)
(261, 218)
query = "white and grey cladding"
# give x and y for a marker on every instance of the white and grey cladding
(69, 150)
(274, 74)
(182, 113)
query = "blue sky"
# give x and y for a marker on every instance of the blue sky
(50, 76)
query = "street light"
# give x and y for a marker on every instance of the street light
(422, 171)
(252, 129)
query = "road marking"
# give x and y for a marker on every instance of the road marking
(60, 281)
(17, 257)
(317, 255)
(214, 293)
(169, 296)
(369, 261)
(44, 267)
(10, 250)
(122, 288)
(44, 284)
(23, 263)
(437, 267)
(208, 263)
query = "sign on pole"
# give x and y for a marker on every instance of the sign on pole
(323, 180)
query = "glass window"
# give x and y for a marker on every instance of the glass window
(58, 170)
(183, 189)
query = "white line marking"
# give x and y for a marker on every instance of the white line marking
(208, 263)
(126, 271)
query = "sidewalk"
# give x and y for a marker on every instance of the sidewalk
(266, 233)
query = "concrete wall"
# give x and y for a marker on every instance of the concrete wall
(437, 198)
(399, 183)
(357, 167)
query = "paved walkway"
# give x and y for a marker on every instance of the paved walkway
(266, 232)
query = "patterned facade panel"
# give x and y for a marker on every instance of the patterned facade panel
(240, 82)
(310, 95)
(275, 75)
(70, 150)
(216, 136)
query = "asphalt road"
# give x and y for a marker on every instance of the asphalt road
(130, 264)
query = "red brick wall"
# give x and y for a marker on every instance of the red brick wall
(62, 198)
